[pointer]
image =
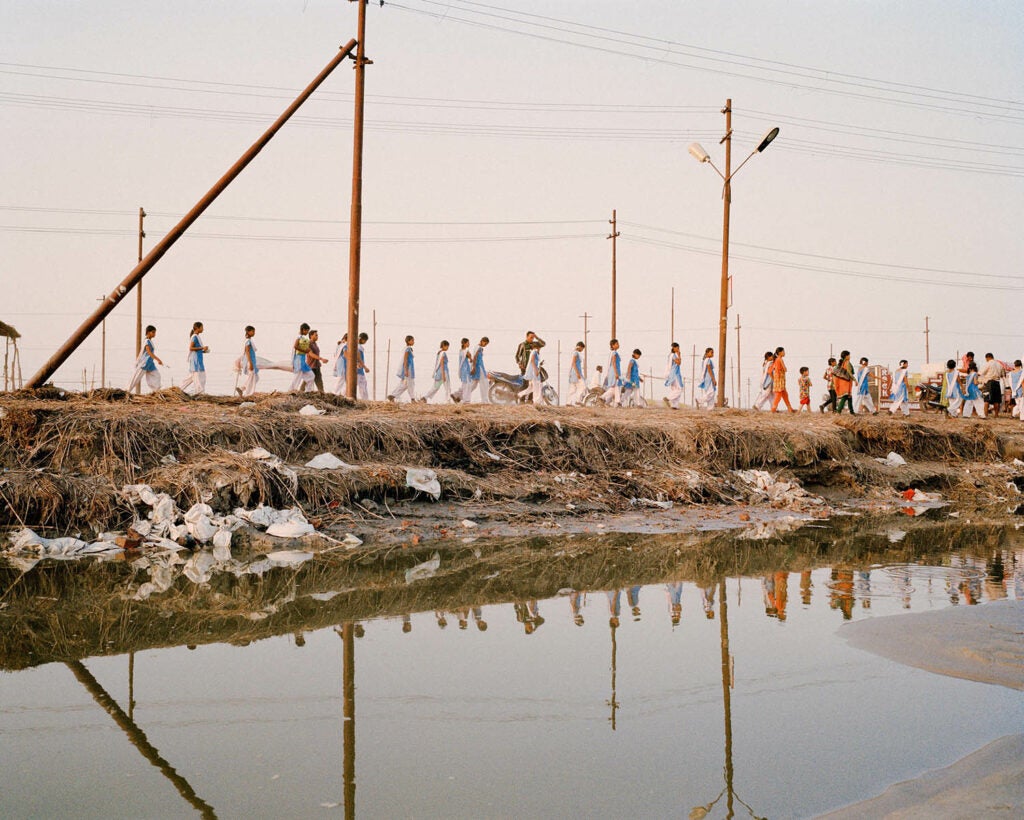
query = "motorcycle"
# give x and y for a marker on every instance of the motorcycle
(505, 388)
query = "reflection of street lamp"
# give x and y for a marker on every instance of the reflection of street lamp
(697, 152)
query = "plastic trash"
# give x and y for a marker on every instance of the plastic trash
(425, 570)
(328, 461)
(648, 502)
(290, 529)
(310, 410)
(423, 480)
(469, 524)
(351, 540)
(893, 460)
(258, 453)
(492, 456)
(288, 558)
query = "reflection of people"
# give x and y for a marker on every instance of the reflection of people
(528, 614)
(841, 594)
(614, 606)
(633, 596)
(576, 605)
(406, 623)
(805, 587)
(478, 617)
(862, 588)
(442, 621)
(674, 593)
(707, 597)
(771, 607)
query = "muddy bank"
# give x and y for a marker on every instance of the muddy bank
(975, 643)
(66, 456)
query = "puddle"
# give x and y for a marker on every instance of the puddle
(668, 687)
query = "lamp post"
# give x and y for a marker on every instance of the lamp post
(697, 152)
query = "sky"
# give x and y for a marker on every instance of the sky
(500, 137)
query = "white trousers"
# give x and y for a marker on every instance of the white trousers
(249, 385)
(302, 381)
(406, 385)
(361, 388)
(764, 399)
(436, 387)
(484, 385)
(977, 405)
(536, 386)
(706, 397)
(195, 383)
(577, 392)
(152, 379)
(675, 393)
(632, 397)
(863, 401)
(613, 396)
(955, 406)
(904, 405)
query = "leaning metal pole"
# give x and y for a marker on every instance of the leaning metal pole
(154, 256)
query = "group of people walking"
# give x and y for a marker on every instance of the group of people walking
(966, 388)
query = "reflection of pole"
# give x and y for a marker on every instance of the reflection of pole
(349, 712)
(131, 685)
(723, 608)
(138, 737)
(613, 702)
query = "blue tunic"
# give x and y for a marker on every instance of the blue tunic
(249, 357)
(675, 376)
(576, 373)
(707, 374)
(614, 377)
(146, 357)
(633, 373)
(407, 368)
(863, 385)
(195, 357)
(899, 387)
(465, 368)
(299, 363)
(953, 389)
(341, 362)
(441, 367)
(361, 363)
(973, 393)
(479, 370)
(1015, 383)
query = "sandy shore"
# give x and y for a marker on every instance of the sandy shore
(983, 643)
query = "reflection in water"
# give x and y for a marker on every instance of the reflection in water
(349, 715)
(138, 737)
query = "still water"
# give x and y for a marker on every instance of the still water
(642, 701)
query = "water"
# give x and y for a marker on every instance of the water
(564, 706)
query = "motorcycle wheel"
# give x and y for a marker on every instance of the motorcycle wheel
(501, 393)
(550, 395)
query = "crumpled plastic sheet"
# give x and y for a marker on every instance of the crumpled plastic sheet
(67, 548)
(425, 570)
(290, 523)
(275, 463)
(769, 529)
(893, 460)
(779, 493)
(328, 461)
(424, 480)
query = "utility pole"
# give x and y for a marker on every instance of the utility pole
(739, 377)
(374, 355)
(558, 367)
(693, 372)
(586, 343)
(356, 222)
(138, 303)
(732, 373)
(724, 301)
(927, 349)
(613, 236)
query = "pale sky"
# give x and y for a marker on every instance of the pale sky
(500, 137)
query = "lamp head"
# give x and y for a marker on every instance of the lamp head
(766, 140)
(698, 153)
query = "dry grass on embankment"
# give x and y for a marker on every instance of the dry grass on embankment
(65, 456)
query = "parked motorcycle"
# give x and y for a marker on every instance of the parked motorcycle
(505, 388)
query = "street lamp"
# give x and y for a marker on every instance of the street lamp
(698, 153)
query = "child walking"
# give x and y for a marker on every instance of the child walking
(674, 379)
(406, 373)
(479, 373)
(441, 376)
(764, 397)
(951, 390)
(708, 385)
(973, 400)
(146, 364)
(900, 396)
(613, 379)
(532, 376)
(779, 380)
(362, 369)
(862, 401)
(300, 366)
(195, 383)
(577, 376)
(631, 395)
(250, 370)
(804, 383)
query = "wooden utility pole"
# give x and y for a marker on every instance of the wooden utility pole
(586, 342)
(927, 349)
(672, 320)
(374, 356)
(356, 221)
(613, 236)
(693, 374)
(138, 305)
(739, 377)
(724, 301)
(558, 367)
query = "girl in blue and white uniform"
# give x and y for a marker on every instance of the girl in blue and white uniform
(899, 396)
(442, 378)
(300, 366)
(577, 376)
(862, 401)
(479, 373)
(532, 376)
(708, 384)
(972, 397)
(674, 379)
(341, 365)
(1017, 388)
(361, 369)
(465, 371)
(406, 373)
(146, 364)
(195, 383)
(766, 392)
(250, 369)
(951, 389)
(631, 395)
(613, 378)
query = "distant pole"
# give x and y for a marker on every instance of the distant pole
(387, 370)
(927, 349)
(748, 392)
(739, 377)
(586, 342)
(732, 374)
(693, 372)
(356, 221)
(558, 367)
(613, 236)
(138, 303)
(374, 355)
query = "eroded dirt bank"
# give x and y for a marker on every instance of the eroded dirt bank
(66, 457)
